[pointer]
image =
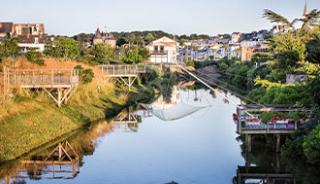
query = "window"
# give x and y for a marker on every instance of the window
(156, 48)
(161, 48)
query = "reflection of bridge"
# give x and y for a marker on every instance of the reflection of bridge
(126, 121)
(126, 73)
(57, 83)
(61, 163)
(260, 175)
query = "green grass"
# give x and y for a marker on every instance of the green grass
(37, 121)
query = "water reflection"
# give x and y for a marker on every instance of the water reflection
(126, 121)
(262, 166)
(199, 148)
(58, 162)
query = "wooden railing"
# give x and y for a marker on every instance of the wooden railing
(28, 78)
(123, 70)
(2, 91)
(262, 128)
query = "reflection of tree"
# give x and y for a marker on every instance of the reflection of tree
(262, 158)
(263, 165)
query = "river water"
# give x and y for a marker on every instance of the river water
(141, 147)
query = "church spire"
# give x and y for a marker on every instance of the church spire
(305, 10)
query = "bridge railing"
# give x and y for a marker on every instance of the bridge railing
(123, 70)
(42, 77)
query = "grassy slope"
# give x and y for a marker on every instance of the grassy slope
(29, 122)
(40, 121)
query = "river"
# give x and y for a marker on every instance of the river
(141, 147)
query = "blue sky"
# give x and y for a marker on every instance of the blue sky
(69, 17)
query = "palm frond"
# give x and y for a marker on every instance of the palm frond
(276, 18)
(309, 18)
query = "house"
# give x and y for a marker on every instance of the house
(163, 51)
(101, 37)
(6, 29)
(293, 78)
(235, 37)
(279, 29)
(251, 48)
(28, 35)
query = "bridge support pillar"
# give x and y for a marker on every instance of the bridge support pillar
(60, 95)
(278, 137)
(249, 142)
(128, 81)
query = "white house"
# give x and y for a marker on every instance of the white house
(163, 51)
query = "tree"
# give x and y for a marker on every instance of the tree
(144, 52)
(62, 47)
(314, 88)
(102, 54)
(121, 41)
(277, 18)
(288, 49)
(34, 56)
(9, 48)
(149, 38)
(133, 56)
(309, 18)
(131, 39)
(311, 146)
(313, 50)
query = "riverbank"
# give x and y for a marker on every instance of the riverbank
(30, 119)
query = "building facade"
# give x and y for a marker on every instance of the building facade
(163, 51)
(28, 35)
(101, 37)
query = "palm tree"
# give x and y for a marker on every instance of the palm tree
(277, 18)
(309, 18)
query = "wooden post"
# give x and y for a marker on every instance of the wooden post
(129, 83)
(248, 142)
(60, 151)
(278, 143)
(59, 97)
(239, 123)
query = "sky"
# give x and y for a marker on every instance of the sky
(70, 17)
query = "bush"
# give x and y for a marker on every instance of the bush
(62, 47)
(191, 63)
(86, 75)
(133, 56)
(102, 54)
(35, 57)
(311, 146)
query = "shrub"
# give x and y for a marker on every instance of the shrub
(311, 146)
(35, 57)
(191, 63)
(86, 75)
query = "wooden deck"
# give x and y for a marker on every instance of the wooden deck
(123, 70)
(274, 108)
(126, 73)
(61, 163)
(42, 78)
(58, 83)
(266, 128)
(257, 173)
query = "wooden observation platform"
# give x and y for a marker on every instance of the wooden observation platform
(57, 83)
(261, 174)
(60, 163)
(250, 124)
(126, 73)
